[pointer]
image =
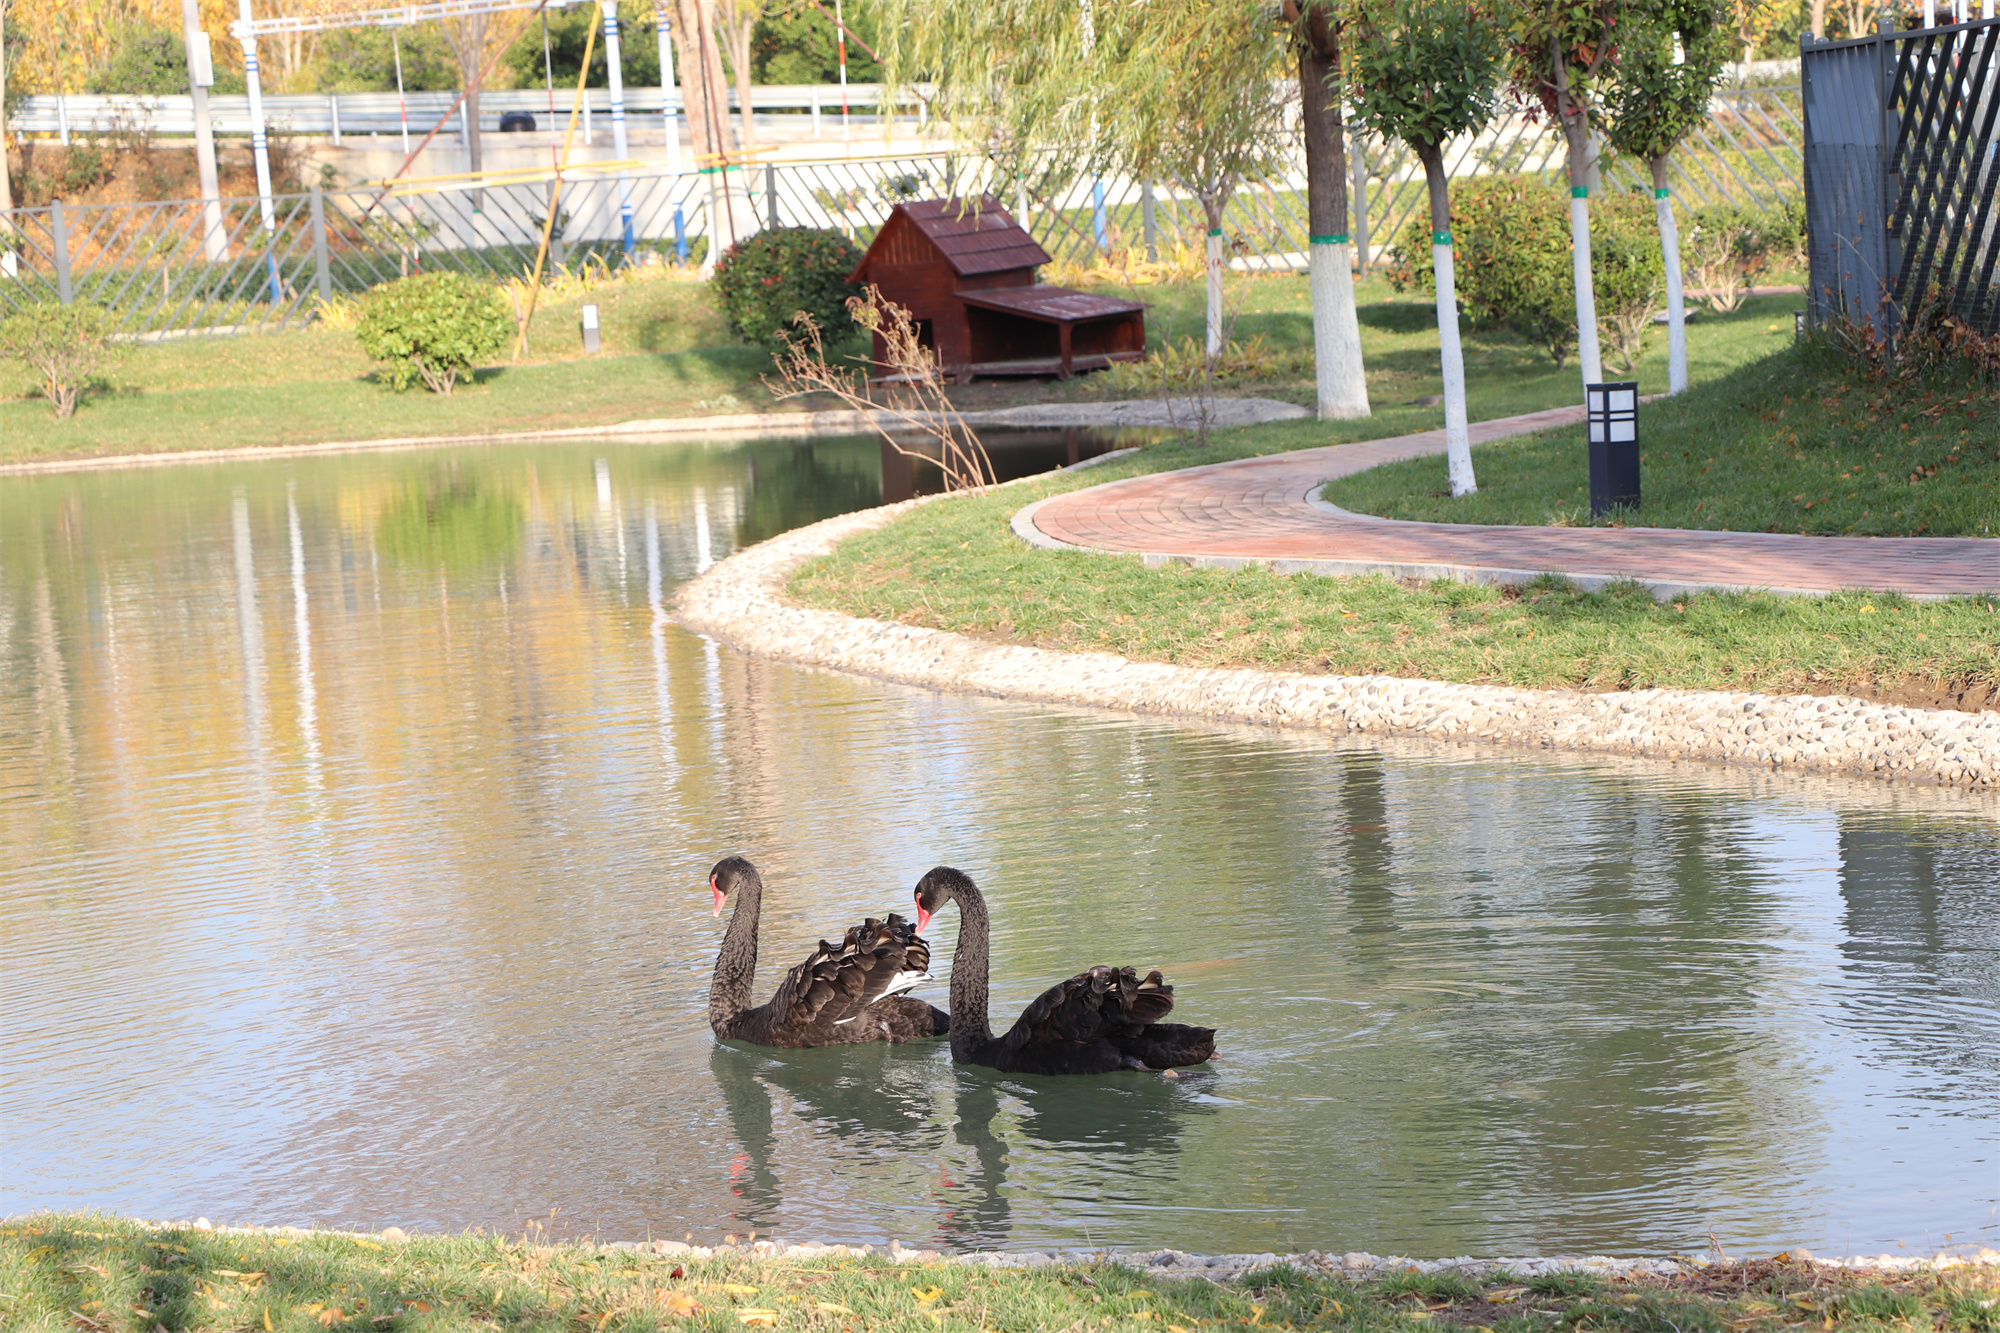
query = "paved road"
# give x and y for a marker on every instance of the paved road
(1265, 510)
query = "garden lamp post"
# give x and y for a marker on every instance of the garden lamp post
(1613, 414)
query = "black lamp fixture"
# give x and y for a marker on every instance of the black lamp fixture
(1613, 413)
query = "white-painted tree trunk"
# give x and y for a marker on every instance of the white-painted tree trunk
(1457, 435)
(1213, 344)
(1343, 385)
(1587, 354)
(1677, 336)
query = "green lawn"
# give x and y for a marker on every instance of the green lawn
(1799, 441)
(106, 1275)
(957, 566)
(667, 353)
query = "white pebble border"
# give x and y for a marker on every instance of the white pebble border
(741, 601)
(1354, 1264)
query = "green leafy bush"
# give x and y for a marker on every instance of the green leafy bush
(1511, 258)
(433, 327)
(769, 280)
(1511, 244)
(65, 346)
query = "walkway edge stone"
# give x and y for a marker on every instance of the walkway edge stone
(742, 602)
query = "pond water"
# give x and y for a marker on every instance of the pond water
(355, 812)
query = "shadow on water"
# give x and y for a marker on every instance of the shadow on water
(1015, 454)
(960, 1125)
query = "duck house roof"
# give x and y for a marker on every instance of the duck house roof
(974, 236)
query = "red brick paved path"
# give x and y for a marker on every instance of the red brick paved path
(1258, 509)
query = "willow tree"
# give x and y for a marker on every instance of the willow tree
(1179, 93)
(1563, 52)
(1342, 379)
(1668, 65)
(1204, 116)
(1425, 72)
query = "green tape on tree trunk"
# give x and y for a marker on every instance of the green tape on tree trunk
(1338, 238)
(1579, 192)
(1440, 238)
(1659, 192)
(1215, 231)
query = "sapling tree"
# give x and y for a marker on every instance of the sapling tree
(1562, 54)
(1424, 71)
(1343, 382)
(1670, 59)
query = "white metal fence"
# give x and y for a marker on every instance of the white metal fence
(177, 267)
(336, 115)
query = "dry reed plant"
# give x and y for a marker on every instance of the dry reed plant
(914, 389)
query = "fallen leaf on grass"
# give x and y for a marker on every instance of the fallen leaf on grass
(828, 1307)
(680, 1304)
(925, 1295)
(738, 1289)
(758, 1318)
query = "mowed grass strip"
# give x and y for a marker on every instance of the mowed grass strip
(1800, 441)
(106, 1275)
(956, 565)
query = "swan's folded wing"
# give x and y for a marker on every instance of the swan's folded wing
(1103, 1003)
(837, 982)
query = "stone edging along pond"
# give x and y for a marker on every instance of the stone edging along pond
(742, 602)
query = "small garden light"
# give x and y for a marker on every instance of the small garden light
(1613, 412)
(590, 328)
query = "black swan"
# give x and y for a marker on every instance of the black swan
(846, 992)
(1098, 1021)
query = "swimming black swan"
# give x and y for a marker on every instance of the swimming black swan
(1097, 1021)
(846, 992)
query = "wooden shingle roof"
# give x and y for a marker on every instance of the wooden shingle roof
(974, 235)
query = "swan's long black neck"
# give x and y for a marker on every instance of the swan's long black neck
(736, 963)
(968, 973)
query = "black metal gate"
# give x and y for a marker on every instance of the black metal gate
(1901, 170)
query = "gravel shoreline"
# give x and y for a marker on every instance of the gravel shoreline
(741, 601)
(1354, 1265)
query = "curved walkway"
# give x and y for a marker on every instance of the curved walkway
(1267, 510)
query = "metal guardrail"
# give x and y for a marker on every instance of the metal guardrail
(336, 115)
(151, 263)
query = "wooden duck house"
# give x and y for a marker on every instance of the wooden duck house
(965, 270)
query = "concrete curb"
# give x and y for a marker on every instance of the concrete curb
(742, 601)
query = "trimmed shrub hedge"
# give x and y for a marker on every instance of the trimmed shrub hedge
(767, 281)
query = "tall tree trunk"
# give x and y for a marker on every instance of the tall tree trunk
(739, 24)
(1451, 358)
(6, 181)
(1670, 249)
(1342, 380)
(467, 38)
(1213, 204)
(707, 98)
(1576, 135)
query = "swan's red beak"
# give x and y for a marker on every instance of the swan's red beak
(923, 918)
(719, 896)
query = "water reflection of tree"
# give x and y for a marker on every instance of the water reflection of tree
(1921, 931)
(456, 518)
(791, 485)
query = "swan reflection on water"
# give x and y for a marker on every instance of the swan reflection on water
(930, 1144)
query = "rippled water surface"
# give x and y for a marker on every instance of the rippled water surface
(354, 814)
